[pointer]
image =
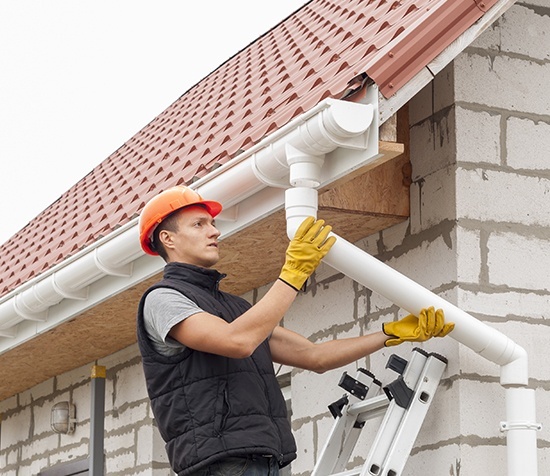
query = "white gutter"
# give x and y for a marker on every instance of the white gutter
(250, 188)
(116, 262)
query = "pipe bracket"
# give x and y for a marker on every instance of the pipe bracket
(123, 271)
(79, 294)
(11, 332)
(281, 183)
(520, 425)
(26, 313)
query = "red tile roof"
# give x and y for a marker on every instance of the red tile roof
(311, 55)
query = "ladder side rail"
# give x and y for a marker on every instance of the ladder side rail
(392, 419)
(411, 423)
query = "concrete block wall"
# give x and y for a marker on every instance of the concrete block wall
(478, 235)
(133, 445)
(503, 198)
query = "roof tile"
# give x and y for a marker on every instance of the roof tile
(311, 55)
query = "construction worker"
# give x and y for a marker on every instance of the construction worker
(208, 355)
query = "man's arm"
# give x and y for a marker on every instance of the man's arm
(238, 339)
(289, 348)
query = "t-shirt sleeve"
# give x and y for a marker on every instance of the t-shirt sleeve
(163, 309)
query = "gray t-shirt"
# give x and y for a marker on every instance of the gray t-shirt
(162, 310)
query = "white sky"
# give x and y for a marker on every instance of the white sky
(79, 78)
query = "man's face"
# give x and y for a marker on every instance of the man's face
(196, 241)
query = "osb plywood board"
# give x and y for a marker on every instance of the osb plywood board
(356, 208)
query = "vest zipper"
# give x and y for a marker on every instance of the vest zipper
(222, 413)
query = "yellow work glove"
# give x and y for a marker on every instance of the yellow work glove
(430, 323)
(305, 251)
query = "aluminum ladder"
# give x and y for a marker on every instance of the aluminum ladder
(403, 403)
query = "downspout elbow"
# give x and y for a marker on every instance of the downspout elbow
(515, 371)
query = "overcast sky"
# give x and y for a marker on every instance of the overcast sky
(79, 78)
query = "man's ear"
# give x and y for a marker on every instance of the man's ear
(166, 238)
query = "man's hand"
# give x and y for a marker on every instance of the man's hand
(430, 323)
(305, 251)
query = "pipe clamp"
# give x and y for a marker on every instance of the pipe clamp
(520, 425)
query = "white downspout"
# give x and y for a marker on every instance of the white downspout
(301, 201)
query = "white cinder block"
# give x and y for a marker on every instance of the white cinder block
(489, 40)
(378, 303)
(124, 355)
(433, 144)
(437, 198)
(16, 428)
(502, 82)
(489, 195)
(13, 456)
(468, 253)
(525, 32)
(8, 404)
(130, 385)
(527, 144)
(82, 400)
(162, 472)
(145, 445)
(505, 304)
(433, 98)
(316, 312)
(479, 457)
(42, 415)
(68, 454)
(415, 219)
(120, 439)
(127, 416)
(312, 393)
(120, 463)
(441, 461)
(393, 237)
(484, 405)
(81, 432)
(479, 138)
(430, 264)
(323, 427)
(531, 337)
(519, 261)
(305, 455)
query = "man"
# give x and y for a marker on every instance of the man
(208, 355)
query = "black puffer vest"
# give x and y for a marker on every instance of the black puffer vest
(207, 406)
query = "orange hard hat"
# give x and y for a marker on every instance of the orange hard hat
(162, 205)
